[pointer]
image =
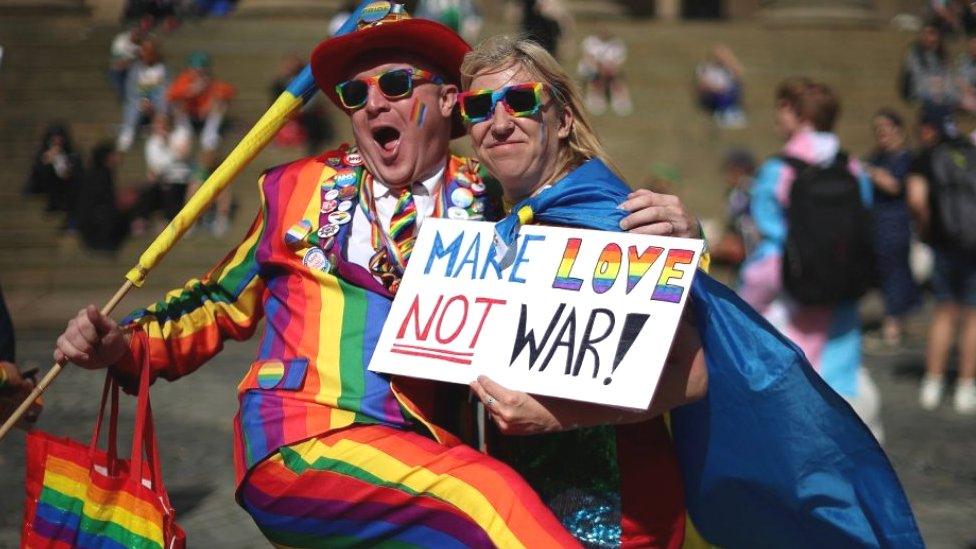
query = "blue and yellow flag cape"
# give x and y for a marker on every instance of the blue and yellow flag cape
(771, 457)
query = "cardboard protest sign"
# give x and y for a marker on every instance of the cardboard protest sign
(578, 314)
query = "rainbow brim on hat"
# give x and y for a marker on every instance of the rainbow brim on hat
(386, 26)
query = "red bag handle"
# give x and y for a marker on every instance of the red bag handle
(110, 388)
(145, 437)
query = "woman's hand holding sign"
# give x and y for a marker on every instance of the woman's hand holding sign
(518, 413)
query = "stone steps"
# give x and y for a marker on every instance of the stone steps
(264, 9)
(594, 10)
(55, 69)
(43, 7)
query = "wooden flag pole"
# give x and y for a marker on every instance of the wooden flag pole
(56, 369)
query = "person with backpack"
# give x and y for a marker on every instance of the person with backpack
(810, 205)
(942, 198)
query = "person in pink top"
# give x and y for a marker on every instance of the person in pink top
(829, 335)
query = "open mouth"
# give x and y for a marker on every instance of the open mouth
(387, 137)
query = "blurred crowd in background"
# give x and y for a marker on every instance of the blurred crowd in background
(919, 179)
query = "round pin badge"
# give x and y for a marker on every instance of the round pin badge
(333, 161)
(345, 206)
(331, 194)
(340, 218)
(462, 198)
(270, 374)
(346, 193)
(455, 212)
(329, 206)
(375, 11)
(345, 178)
(327, 231)
(314, 258)
(354, 159)
(478, 206)
(478, 187)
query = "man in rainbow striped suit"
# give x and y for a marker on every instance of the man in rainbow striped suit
(328, 453)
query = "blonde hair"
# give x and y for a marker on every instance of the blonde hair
(500, 52)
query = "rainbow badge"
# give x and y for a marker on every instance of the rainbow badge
(270, 374)
(346, 178)
(298, 232)
(340, 218)
(375, 11)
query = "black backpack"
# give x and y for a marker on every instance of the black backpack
(829, 250)
(953, 195)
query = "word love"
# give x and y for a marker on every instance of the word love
(610, 263)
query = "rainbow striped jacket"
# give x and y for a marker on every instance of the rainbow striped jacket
(309, 376)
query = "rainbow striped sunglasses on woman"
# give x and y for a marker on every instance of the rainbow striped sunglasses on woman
(519, 100)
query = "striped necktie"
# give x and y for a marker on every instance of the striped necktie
(403, 225)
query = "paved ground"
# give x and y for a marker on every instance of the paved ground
(933, 452)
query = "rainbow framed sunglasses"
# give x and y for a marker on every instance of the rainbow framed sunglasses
(393, 84)
(519, 100)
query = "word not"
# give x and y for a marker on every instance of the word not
(610, 262)
(451, 324)
(566, 339)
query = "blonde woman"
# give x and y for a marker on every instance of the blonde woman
(528, 127)
(770, 457)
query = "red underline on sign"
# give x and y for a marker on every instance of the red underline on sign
(431, 355)
(432, 349)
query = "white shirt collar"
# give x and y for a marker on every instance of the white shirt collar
(430, 184)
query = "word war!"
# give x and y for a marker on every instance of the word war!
(571, 313)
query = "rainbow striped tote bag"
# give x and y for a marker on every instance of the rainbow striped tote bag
(81, 496)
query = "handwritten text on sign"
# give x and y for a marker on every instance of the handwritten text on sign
(577, 314)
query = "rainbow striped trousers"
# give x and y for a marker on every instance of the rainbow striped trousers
(375, 485)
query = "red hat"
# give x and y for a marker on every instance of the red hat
(386, 26)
